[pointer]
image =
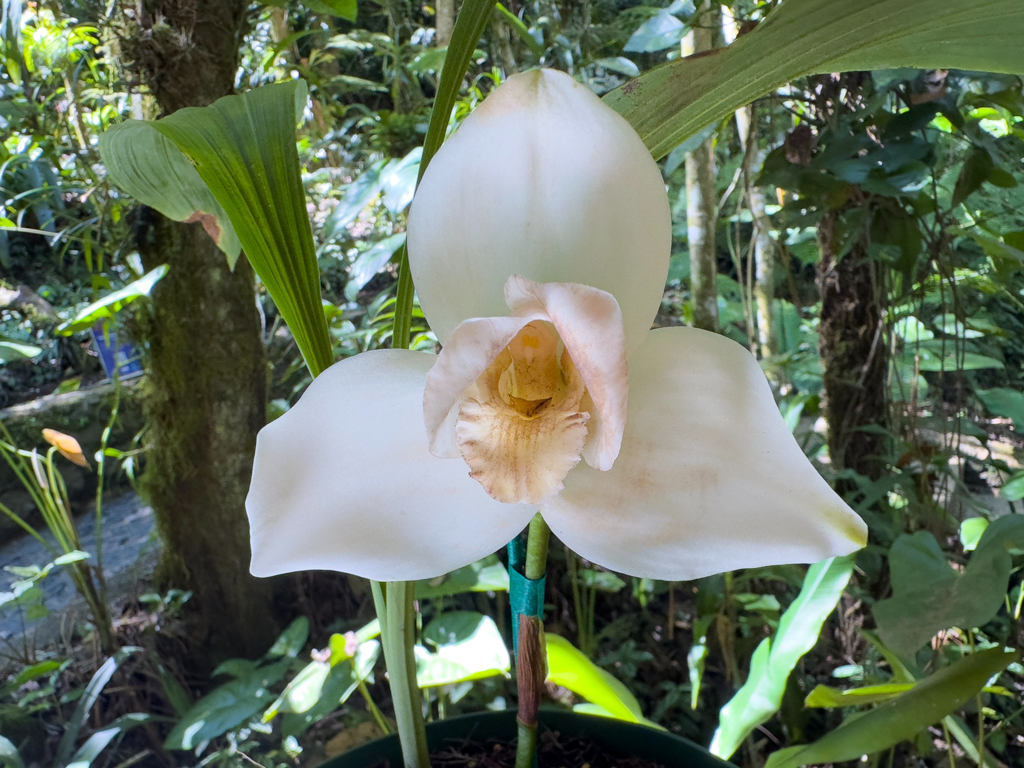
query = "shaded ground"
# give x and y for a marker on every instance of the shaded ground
(130, 547)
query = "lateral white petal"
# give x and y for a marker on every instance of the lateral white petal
(542, 180)
(344, 482)
(709, 478)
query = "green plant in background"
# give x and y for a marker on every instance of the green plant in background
(348, 133)
(41, 478)
(404, 294)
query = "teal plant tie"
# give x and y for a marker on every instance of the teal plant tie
(525, 596)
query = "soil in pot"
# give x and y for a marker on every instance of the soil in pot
(555, 750)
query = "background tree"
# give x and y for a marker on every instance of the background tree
(207, 369)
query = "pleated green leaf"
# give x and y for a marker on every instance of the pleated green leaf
(928, 702)
(243, 148)
(804, 37)
(146, 165)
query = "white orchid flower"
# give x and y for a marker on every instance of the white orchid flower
(539, 241)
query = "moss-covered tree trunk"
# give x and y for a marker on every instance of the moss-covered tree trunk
(852, 336)
(854, 355)
(207, 373)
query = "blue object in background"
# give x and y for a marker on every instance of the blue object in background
(122, 355)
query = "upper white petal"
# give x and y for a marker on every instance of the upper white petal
(709, 478)
(542, 180)
(344, 482)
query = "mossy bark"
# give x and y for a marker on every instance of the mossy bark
(207, 372)
(854, 355)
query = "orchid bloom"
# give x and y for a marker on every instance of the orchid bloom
(539, 241)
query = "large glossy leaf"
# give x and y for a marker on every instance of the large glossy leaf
(801, 37)
(340, 684)
(773, 660)
(926, 703)
(570, 668)
(9, 755)
(243, 148)
(928, 595)
(112, 303)
(468, 647)
(145, 164)
(227, 706)
(13, 350)
(1005, 402)
(487, 575)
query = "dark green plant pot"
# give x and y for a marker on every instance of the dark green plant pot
(618, 737)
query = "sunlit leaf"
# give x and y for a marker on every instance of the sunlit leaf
(84, 706)
(12, 350)
(570, 668)
(370, 262)
(900, 718)
(1013, 489)
(226, 706)
(243, 148)
(290, 642)
(487, 575)
(302, 692)
(341, 683)
(112, 303)
(775, 658)
(468, 646)
(671, 102)
(658, 33)
(9, 755)
(146, 165)
(971, 531)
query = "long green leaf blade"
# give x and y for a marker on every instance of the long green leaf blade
(244, 149)
(774, 659)
(473, 17)
(926, 703)
(146, 165)
(803, 37)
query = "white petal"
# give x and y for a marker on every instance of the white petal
(542, 180)
(709, 478)
(344, 482)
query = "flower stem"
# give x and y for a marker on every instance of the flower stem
(397, 636)
(537, 548)
(531, 662)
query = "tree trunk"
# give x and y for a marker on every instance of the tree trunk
(207, 370)
(853, 355)
(852, 344)
(764, 246)
(445, 22)
(701, 213)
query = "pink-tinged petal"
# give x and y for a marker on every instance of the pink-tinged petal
(546, 181)
(590, 324)
(709, 477)
(471, 347)
(344, 481)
